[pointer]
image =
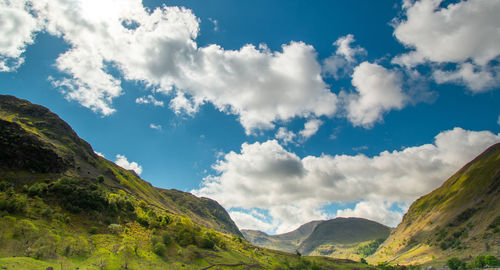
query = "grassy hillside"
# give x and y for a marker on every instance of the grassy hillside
(459, 219)
(288, 242)
(344, 237)
(38, 146)
(63, 206)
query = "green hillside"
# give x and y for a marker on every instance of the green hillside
(343, 237)
(459, 219)
(62, 206)
(288, 242)
(346, 238)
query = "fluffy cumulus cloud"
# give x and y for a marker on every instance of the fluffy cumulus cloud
(378, 90)
(342, 62)
(465, 33)
(310, 128)
(17, 27)
(285, 136)
(293, 190)
(158, 48)
(124, 163)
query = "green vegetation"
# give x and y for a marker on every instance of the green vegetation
(370, 248)
(459, 219)
(344, 231)
(456, 264)
(62, 206)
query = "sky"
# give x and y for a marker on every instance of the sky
(283, 111)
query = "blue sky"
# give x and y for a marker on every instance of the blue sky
(283, 111)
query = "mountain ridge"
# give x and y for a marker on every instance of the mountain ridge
(325, 237)
(460, 217)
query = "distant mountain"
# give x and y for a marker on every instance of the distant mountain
(288, 242)
(343, 237)
(338, 238)
(459, 219)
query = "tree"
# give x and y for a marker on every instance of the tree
(456, 264)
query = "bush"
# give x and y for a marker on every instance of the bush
(206, 242)
(13, 203)
(491, 261)
(93, 230)
(456, 264)
(166, 238)
(77, 197)
(100, 179)
(115, 228)
(159, 249)
(185, 237)
(38, 189)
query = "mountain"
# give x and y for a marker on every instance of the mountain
(343, 237)
(63, 206)
(288, 242)
(36, 144)
(349, 238)
(459, 219)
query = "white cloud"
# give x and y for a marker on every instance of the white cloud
(18, 25)
(476, 78)
(149, 99)
(344, 48)
(215, 23)
(293, 189)
(124, 163)
(342, 62)
(373, 210)
(462, 32)
(310, 128)
(158, 49)
(250, 221)
(99, 154)
(285, 136)
(154, 126)
(378, 90)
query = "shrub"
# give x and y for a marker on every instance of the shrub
(206, 242)
(185, 237)
(456, 264)
(363, 261)
(159, 249)
(491, 261)
(13, 203)
(166, 238)
(77, 197)
(115, 228)
(155, 239)
(5, 185)
(93, 230)
(38, 189)
(100, 179)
